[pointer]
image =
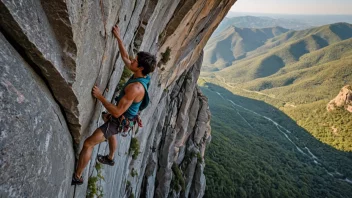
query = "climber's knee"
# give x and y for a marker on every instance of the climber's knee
(94, 139)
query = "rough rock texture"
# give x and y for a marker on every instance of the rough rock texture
(29, 26)
(35, 144)
(60, 50)
(181, 143)
(343, 99)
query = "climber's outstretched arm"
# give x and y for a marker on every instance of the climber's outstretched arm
(123, 51)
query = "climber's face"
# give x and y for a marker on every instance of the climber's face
(134, 65)
(134, 62)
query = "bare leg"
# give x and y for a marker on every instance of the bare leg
(87, 149)
(112, 146)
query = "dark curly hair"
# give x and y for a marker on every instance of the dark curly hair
(147, 61)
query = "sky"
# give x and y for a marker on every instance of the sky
(324, 7)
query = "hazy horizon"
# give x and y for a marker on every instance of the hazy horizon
(310, 20)
(270, 14)
(294, 7)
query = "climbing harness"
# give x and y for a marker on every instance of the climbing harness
(125, 125)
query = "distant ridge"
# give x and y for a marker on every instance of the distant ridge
(259, 22)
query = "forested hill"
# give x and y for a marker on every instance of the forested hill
(298, 72)
(258, 151)
(233, 44)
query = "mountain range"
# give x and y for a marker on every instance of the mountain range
(298, 72)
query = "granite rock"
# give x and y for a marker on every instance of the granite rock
(35, 143)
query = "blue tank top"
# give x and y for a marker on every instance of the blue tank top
(132, 111)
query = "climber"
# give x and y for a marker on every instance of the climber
(131, 99)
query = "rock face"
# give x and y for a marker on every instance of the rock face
(36, 146)
(186, 129)
(52, 54)
(343, 99)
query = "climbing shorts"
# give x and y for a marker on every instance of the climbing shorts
(111, 127)
(117, 125)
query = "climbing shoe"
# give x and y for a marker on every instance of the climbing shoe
(76, 180)
(104, 159)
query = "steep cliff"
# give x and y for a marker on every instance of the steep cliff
(52, 54)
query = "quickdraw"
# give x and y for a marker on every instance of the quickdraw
(126, 125)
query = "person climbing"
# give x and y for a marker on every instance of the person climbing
(121, 116)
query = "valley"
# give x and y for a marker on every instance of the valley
(261, 152)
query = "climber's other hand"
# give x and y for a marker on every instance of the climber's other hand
(96, 92)
(116, 31)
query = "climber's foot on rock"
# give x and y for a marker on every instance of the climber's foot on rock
(104, 159)
(76, 180)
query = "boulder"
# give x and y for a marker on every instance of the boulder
(343, 99)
